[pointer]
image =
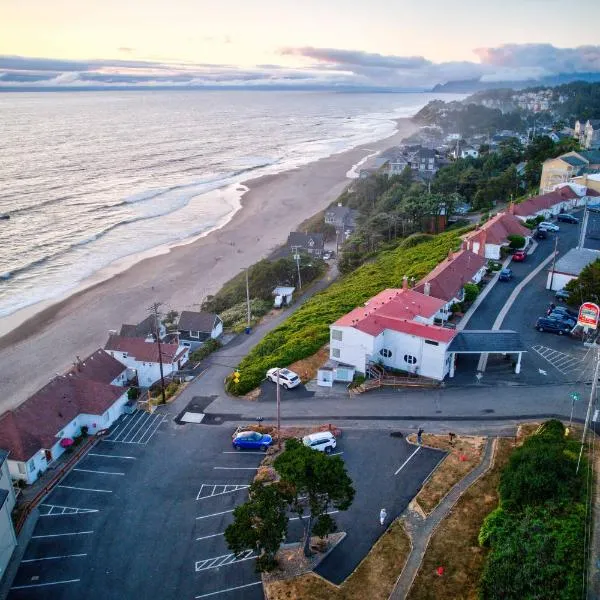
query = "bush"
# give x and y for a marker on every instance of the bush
(492, 265)
(133, 393)
(516, 241)
(414, 240)
(237, 315)
(471, 292)
(208, 347)
(457, 307)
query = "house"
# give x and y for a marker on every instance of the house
(488, 239)
(7, 503)
(142, 357)
(283, 296)
(425, 162)
(560, 200)
(395, 329)
(469, 152)
(311, 243)
(146, 329)
(588, 133)
(569, 267)
(91, 395)
(565, 167)
(194, 328)
(341, 217)
(446, 282)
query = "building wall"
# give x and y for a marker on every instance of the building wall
(148, 373)
(354, 347)
(554, 171)
(558, 281)
(492, 251)
(6, 484)
(8, 540)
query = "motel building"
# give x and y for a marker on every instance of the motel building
(396, 330)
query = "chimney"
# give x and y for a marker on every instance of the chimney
(79, 363)
(511, 208)
(405, 283)
(464, 245)
(482, 239)
(427, 288)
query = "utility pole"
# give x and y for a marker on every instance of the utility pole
(589, 410)
(296, 251)
(553, 261)
(278, 412)
(154, 310)
(248, 298)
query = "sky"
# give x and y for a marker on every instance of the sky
(381, 43)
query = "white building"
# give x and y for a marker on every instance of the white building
(469, 152)
(36, 433)
(8, 539)
(569, 267)
(562, 199)
(142, 357)
(394, 329)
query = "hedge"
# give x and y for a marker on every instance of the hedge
(304, 332)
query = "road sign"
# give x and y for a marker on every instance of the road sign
(588, 315)
(575, 396)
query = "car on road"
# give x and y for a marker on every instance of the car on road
(562, 295)
(561, 310)
(570, 321)
(505, 275)
(326, 255)
(324, 441)
(566, 218)
(288, 379)
(519, 256)
(547, 226)
(540, 234)
(553, 326)
(251, 440)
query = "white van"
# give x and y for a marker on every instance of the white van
(324, 441)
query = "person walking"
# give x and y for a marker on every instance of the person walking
(419, 436)
(382, 515)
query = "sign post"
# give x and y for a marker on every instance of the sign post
(588, 315)
(575, 397)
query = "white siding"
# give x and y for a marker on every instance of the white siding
(354, 348)
(558, 281)
(6, 484)
(8, 541)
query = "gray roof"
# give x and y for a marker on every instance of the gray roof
(573, 160)
(196, 321)
(3, 456)
(575, 260)
(477, 341)
(297, 238)
(592, 155)
(338, 212)
(141, 330)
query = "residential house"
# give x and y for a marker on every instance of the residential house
(569, 267)
(425, 162)
(91, 395)
(560, 200)
(142, 358)
(395, 329)
(591, 183)
(195, 328)
(565, 167)
(341, 217)
(310, 243)
(446, 282)
(469, 152)
(8, 539)
(146, 329)
(588, 133)
(489, 238)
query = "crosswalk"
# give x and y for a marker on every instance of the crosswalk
(562, 362)
(52, 510)
(223, 560)
(208, 490)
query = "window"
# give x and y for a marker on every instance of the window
(335, 352)
(31, 466)
(21, 468)
(410, 360)
(195, 334)
(385, 353)
(336, 334)
(431, 343)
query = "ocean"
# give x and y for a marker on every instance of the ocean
(89, 178)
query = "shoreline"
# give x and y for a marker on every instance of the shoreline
(180, 275)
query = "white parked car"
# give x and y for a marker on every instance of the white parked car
(324, 441)
(288, 379)
(547, 226)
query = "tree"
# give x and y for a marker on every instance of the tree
(586, 288)
(260, 523)
(312, 484)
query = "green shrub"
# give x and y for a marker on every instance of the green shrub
(457, 307)
(493, 265)
(516, 241)
(133, 393)
(414, 240)
(471, 292)
(304, 332)
(237, 315)
(208, 347)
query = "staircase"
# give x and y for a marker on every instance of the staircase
(378, 378)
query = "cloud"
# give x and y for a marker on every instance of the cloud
(322, 67)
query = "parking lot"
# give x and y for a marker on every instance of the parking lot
(147, 519)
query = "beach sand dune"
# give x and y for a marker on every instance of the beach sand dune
(49, 341)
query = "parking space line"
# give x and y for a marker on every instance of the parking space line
(30, 560)
(223, 560)
(406, 461)
(205, 537)
(128, 422)
(236, 468)
(214, 514)
(52, 535)
(562, 362)
(134, 430)
(112, 456)
(72, 487)
(218, 490)
(329, 512)
(99, 472)
(231, 589)
(160, 422)
(336, 453)
(35, 585)
(56, 510)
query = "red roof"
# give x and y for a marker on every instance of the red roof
(374, 324)
(34, 425)
(99, 366)
(143, 351)
(498, 228)
(544, 202)
(449, 277)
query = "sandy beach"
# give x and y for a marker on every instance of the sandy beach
(49, 341)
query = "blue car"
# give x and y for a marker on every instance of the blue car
(251, 440)
(505, 275)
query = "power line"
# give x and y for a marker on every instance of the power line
(153, 309)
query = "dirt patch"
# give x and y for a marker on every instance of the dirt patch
(307, 367)
(454, 545)
(374, 578)
(464, 454)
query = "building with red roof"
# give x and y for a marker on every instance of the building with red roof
(90, 394)
(562, 199)
(144, 357)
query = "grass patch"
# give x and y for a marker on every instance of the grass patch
(373, 578)
(307, 368)
(307, 330)
(463, 456)
(455, 545)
